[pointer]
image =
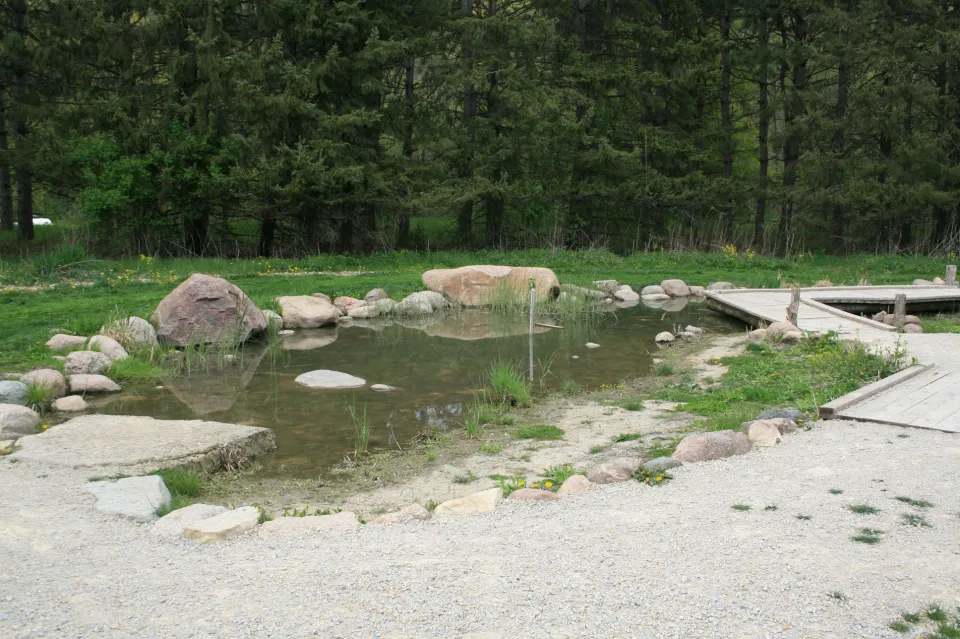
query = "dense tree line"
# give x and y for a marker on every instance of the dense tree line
(290, 126)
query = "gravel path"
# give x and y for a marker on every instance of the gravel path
(624, 561)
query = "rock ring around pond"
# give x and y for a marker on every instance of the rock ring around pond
(330, 379)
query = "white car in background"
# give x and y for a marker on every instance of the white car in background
(39, 221)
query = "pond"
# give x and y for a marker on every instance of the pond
(434, 362)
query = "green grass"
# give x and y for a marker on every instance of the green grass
(542, 432)
(741, 507)
(556, 475)
(509, 385)
(803, 517)
(134, 370)
(490, 449)
(39, 397)
(184, 487)
(596, 450)
(835, 491)
(917, 503)
(631, 404)
(771, 507)
(469, 478)
(626, 437)
(665, 370)
(810, 373)
(868, 536)
(863, 509)
(942, 323)
(912, 519)
(28, 316)
(662, 448)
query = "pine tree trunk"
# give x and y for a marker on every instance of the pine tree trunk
(581, 227)
(465, 216)
(268, 229)
(726, 124)
(760, 216)
(21, 126)
(403, 222)
(839, 136)
(494, 203)
(6, 188)
(791, 148)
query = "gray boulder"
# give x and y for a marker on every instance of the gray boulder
(136, 498)
(70, 404)
(792, 414)
(92, 384)
(109, 347)
(652, 290)
(421, 303)
(207, 309)
(610, 287)
(375, 296)
(16, 421)
(716, 445)
(272, 318)
(48, 377)
(675, 288)
(660, 464)
(13, 393)
(330, 379)
(86, 363)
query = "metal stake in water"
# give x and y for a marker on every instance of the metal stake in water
(533, 300)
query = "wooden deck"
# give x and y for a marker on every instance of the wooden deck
(919, 397)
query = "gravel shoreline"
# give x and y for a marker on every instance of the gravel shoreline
(624, 561)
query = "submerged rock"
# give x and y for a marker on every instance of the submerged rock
(481, 285)
(664, 338)
(330, 379)
(207, 309)
(382, 388)
(136, 498)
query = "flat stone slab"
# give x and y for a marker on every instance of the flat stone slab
(136, 445)
(296, 527)
(224, 526)
(134, 498)
(330, 379)
(482, 502)
(173, 524)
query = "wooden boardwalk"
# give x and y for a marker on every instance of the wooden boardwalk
(920, 397)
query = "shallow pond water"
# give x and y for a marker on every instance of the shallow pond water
(434, 362)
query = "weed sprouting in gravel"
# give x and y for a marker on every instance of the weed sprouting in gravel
(899, 626)
(469, 478)
(771, 507)
(836, 595)
(626, 437)
(863, 509)
(741, 507)
(868, 536)
(935, 613)
(917, 503)
(490, 449)
(596, 450)
(836, 491)
(803, 517)
(542, 432)
(912, 519)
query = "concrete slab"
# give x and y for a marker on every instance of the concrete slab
(121, 444)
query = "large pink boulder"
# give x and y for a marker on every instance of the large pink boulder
(347, 304)
(207, 309)
(307, 311)
(716, 445)
(482, 285)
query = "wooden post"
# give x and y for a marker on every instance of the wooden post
(533, 301)
(900, 309)
(793, 311)
(951, 277)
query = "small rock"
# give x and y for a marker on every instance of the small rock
(626, 296)
(307, 311)
(911, 319)
(134, 498)
(533, 494)
(614, 471)
(421, 303)
(228, 525)
(108, 346)
(363, 312)
(575, 484)
(591, 345)
(697, 290)
(482, 502)
(759, 334)
(792, 336)
(173, 524)
(782, 424)
(413, 512)
(686, 335)
(675, 288)
(86, 363)
(777, 329)
(664, 338)
(706, 446)
(939, 281)
(660, 464)
(792, 414)
(385, 306)
(92, 384)
(655, 297)
(720, 286)
(133, 330)
(375, 296)
(285, 332)
(298, 527)
(346, 304)
(70, 404)
(879, 317)
(13, 393)
(16, 421)
(382, 388)
(912, 328)
(763, 433)
(48, 377)
(330, 379)
(609, 287)
(694, 329)
(66, 342)
(272, 319)
(921, 282)
(652, 290)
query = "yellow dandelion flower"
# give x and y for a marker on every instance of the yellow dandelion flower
(549, 484)
(521, 484)
(660, 478)
(534, 485)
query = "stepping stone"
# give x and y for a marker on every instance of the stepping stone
(136, 445)
(296, 527)
(173, 524)
(70, 404)
(482, 502)
(228, 525)
(135, 498)
(382, 388)
(330, 379)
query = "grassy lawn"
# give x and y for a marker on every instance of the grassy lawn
(135, 286)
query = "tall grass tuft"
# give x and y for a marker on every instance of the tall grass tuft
(39, 397)
(184, 486)
(361, 429)
(509, 385)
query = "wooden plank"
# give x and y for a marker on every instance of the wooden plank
(877, 404)
(906, 408)
(943, 407)
(850, 316)
(830, 409)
